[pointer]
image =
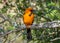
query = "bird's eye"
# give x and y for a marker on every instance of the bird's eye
(31, 10)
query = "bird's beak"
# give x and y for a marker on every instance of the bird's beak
(34, 11)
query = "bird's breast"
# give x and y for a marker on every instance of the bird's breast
(28, 19)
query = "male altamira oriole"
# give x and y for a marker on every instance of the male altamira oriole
(28, 19)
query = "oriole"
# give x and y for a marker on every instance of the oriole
(28, 19)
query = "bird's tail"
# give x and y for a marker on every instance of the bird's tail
(29, 36)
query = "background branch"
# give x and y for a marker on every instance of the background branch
(53, 24)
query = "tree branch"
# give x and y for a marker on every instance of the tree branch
(53, 24)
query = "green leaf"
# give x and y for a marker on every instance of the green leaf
(51, 4)
(11, 28)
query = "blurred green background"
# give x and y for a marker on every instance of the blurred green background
(12, 11)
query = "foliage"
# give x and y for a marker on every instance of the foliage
(14, 9)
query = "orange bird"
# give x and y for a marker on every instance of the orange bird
(28, 19)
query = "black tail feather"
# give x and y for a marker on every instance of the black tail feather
(29, 36)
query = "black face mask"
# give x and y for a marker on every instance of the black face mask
(32, 11)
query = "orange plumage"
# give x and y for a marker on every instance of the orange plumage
(28, 19)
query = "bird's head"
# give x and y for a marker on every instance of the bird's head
(30, 9)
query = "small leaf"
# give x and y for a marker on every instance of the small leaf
(11, 28)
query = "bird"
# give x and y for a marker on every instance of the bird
(28, 19)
